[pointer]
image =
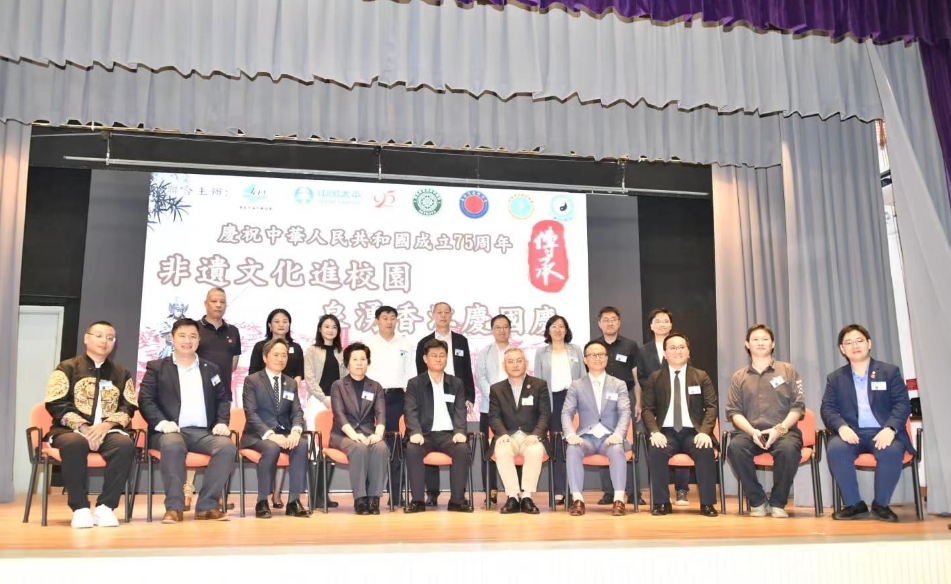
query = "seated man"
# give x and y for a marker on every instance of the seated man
(604, 411)
(866, 404)
(668, 392)
(435, 411)
(188, 409)
(765, 403)
(92, 401)
(275, 421)
(519, 410)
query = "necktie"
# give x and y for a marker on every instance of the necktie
(277, 391)
(678, 407)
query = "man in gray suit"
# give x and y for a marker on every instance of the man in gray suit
(275, 422)
(604, 411)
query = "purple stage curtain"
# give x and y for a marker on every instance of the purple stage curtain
(880, 20)
(936, 61)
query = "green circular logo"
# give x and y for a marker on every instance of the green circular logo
(427, 202)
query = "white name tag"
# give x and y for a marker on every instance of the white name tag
(528, 401)
(290, 350)
(449, 398)
(368, 395)
(289, 395)
(693, 389)
(216, 380)
(621, 358)
(612, 396)
(104, 384)
(777, 381)
(459, 352)
(879, 386)
(403, 353)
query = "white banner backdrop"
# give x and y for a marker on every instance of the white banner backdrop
(315, 247)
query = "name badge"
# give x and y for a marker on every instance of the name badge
(777, 381)
(621, 358)
(879, 386)
(289, 395)
(459, 352)
(403, 353)
(693, 389)
(104, 384)
(290, 350)
(216, 380)
(368, 395)
(528, 401)
(449, 398)
(612, 396)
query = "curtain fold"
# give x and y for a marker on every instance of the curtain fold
(14, 164)
(476, 49)
(936, 61)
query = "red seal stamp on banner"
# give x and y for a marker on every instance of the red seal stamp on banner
(548, 256)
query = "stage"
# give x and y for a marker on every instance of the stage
(481, 547)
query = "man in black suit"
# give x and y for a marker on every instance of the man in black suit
(669, 392)
(459, 365)
(188, 408)
(519, 411)
(435, 412)
(275, 422)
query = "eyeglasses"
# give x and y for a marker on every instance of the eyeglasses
(100, 336)
(501, 328)
(677, 348)
(610, 320)
(596, 355)
(660, 322)
(854, 343)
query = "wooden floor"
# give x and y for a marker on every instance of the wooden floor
(342, 527)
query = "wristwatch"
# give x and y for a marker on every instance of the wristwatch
(781, 429)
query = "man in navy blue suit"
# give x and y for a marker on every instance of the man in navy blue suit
(866, 404)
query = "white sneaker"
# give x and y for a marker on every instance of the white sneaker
(778, 512)
(760, 510)
(82, 519)
(104, 517)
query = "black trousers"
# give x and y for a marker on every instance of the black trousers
(267, 466)
(438, 442)
(703, 458)
(786, 451)
(394, 411)
(117, 450)
(558, 464)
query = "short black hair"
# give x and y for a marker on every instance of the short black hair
(677, 335)
(432, 344)
(319, 340)
(607, 309)
(552, 321)
(854, 327)
(497, 317)
(109, 324)
(184, 322)
(656, 311)
(385, 309)
(267, 326)
(594, 342)
(351, 349)
(761, 327)
(270, 344)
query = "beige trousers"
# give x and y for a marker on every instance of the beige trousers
(505, 461)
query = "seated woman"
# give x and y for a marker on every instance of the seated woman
(359, 409)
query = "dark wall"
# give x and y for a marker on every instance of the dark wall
(54, 244)
(678, 271)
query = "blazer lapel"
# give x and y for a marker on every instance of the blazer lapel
(872, 376)
(352, 404)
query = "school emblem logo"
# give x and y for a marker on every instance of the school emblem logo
(427, 202)
(562, 208)
(473, 204)
(521, 206)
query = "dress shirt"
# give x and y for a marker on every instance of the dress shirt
(393, 362)
(560, 371)
(441, 420)
(866, 417)
(597, 383)
(192, 414)
(684, 414)
(450, 368)
(660, 351)
(98, 416)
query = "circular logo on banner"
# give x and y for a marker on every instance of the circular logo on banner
(427, 202)
(521, 206)
(303, 195)
(254, 194)
(562, 208)
(473, 204)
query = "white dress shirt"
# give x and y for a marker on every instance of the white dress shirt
(450, 369)
(393, 362)
(97, 417)
(192, 414)
(684, 414)
(441, 420)
(597, 383)
(560, 372)
(660, 351)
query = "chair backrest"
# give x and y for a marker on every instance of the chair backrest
(807, 425)
(238, 421)
(40, 418)
(323, 423)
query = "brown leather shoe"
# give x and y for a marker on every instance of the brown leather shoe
(619, 509)
(171, 517)
(577, 508)
(211, 515)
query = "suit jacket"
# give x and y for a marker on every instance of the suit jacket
(418, 404)
(314, 359)
(648, 361)
(615, 413)
(363, 415)
(160, 394)
(461, 363)
(507, 417)
(543, 363)
(890, 407)
(262, 414)
(703, 408)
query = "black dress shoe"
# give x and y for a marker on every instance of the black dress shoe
(374, 505)
(361, 506)
(415, 507)
(529, 506)
(277, 504)
(606, 500)
(661, 509)
(857, 511)
(262, 511)
(493, 497)
(640, 500)
(708, 511)
(559, 501)
(883, 513)
(296, 509)
(319, 503)
(432, 499)
(463, 507)
(511, 506)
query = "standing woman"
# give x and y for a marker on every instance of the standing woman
(279, 327)
(558, 363)
(323, 365)
(359, 408)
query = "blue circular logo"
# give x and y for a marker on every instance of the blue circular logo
(473, 204)
(521, 206)
(303, 195)
(562, 208)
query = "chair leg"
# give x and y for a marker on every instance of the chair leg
(916, 484)
(323, 460)
(148, 501)
(46, 490)
(551, 485)
(485, 478)
(816, 487)
(29, 492)
(636, 488)
(241, 483)
(135, 487)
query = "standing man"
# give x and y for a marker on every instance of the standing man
(490, 369)
(458, 365)
(765, 404)
(436, 422)
(603, 406)
(667, 394)
(92, 401)
(866, 404)
(188, 409)
(519, 411)
(621, 364)
(392, 367)
(219, 343)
